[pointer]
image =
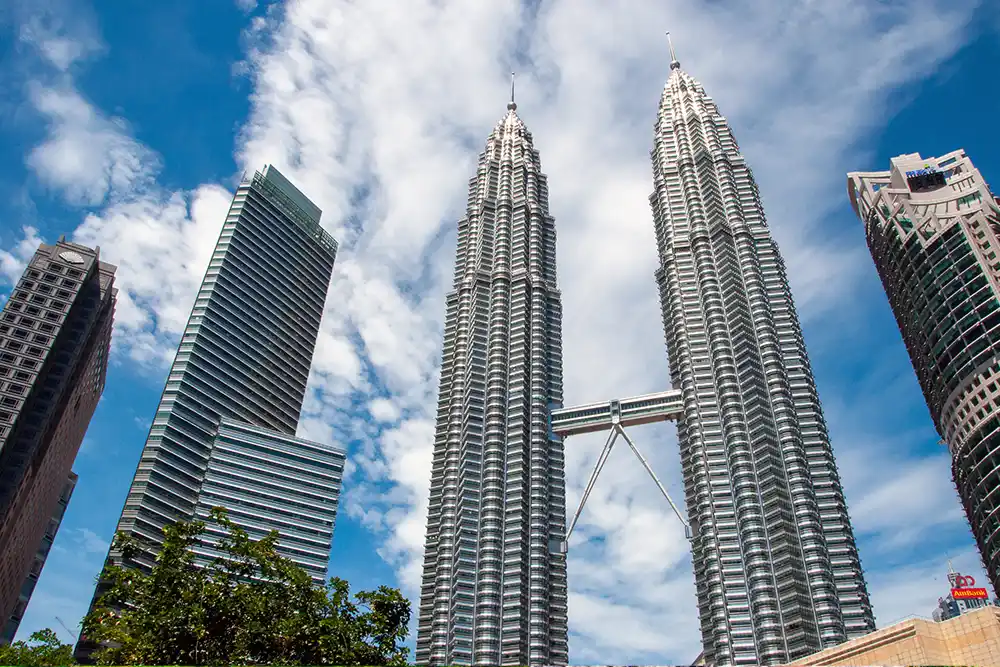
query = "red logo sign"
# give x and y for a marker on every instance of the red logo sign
(962, 581)
(969, 593)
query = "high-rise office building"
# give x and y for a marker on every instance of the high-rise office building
(31, 580)
(55, 332)
(492, 593)
(272, 481)
(934, 233)
(244, 355)
(776, 567)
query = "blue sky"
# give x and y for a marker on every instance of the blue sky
(129, 129)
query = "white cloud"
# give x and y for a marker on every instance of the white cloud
(62, 33)
(86, 156)
(14, 261)
(377, 114)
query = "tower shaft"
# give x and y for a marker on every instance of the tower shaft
(492, 593)
(776, 566)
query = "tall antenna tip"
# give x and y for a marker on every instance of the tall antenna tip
(511, 105)
(674, 63)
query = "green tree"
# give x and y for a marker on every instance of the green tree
(250, 606)
(43, 649)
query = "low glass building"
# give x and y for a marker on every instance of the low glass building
(272, 481)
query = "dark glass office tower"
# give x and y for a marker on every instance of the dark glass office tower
(492, 591)
(776, 567)
(55, 332)
(245, 353)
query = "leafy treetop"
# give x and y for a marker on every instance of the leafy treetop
(250, 606)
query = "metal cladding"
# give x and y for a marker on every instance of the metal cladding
(776, 565)
(492, 592)
(245, 352)
(933, 229)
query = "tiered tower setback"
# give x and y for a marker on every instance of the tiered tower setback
(776, 566)
(492, 592)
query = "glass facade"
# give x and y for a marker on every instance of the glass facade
(936, 250)
(245, 353)
(272, 481)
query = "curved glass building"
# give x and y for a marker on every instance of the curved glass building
(933, 229)
(776, 567)
(492, 593)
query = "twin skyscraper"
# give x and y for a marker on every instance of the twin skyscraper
(777, 570)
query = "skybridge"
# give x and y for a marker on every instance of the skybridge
(614, 416)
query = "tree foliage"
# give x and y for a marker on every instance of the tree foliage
(43, 649)
(250, 606)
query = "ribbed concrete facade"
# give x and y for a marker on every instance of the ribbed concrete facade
(776, 566)
(492, 593)
(933, 229)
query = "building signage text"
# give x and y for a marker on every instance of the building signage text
(965, 589)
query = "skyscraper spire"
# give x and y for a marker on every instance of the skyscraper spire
(511, 105)
(674, 63)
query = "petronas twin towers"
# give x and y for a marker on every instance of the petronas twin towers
(776, 567)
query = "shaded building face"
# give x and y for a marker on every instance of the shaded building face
(933, 229)
(55, 333)
(41, 555)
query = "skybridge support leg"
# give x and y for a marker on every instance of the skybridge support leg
(562, 546)
(642, 459)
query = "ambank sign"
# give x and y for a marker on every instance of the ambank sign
(965, 589)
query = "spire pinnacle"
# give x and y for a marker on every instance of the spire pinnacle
(511, 105)
(674, 63)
